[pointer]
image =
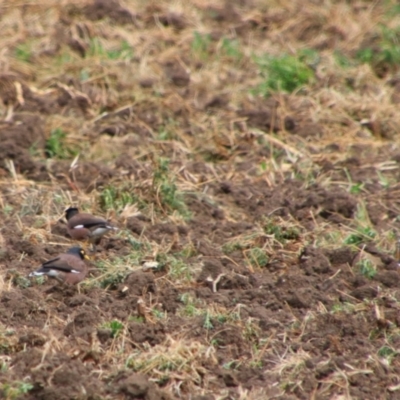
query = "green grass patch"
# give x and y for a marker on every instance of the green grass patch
(66, 56)
(14, 390)
(356, 188)
(114, 271)
(187, 251)
(191, 307)
(387, 353)
(19, 280)
(8, 340)
(170, 198)
(230, 48)
(280, 232)
(97, 49)
(367, 268)
(137, 319)
(310, 57)
(116, 197)
(115, 326)
(84, 75)
(201, 45)
(363, 231)
(286, 73)
(384, 53)
(258, 257)
(177, 269)
(212, 316)
(57, 147)
(393, 10)
(168, 130)
(111, 281)
(232, 246)
(23, 52)
(362, 235)
(345, 307)
(342, 60)
(7, 209)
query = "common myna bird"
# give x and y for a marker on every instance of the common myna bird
(82, 226)
(68, 267)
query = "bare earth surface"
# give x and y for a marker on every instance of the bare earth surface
(256, 252)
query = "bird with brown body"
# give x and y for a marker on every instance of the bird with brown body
(68, 267)
(84, 226)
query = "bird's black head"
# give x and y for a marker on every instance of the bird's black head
(70, 212)
(78, 251)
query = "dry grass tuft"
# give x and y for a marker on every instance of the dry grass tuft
(176, 362)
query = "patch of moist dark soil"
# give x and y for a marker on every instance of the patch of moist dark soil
(26, 130)
(176, 73)
(137, 225)
(25, 101)
(23, 308)
(65, 376)
(212, 268)
(152, 333)
(85, 176)
(24, 135)
(289, 198)
(139, 282)
(59, 228)
(342, 255)
(267, 118)
(178, 21)
(319, 277)
(23, 162)
(168, 297)
(84, 322)
(45, 104)
(24, 246)
(135, 386)
(17, 255)
(336, 341)
(112, 9)
(57, 376)
(161, 232)
(132, 167)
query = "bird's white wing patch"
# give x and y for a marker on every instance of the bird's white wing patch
(74, 271)
(79, 226)
(35, 273)
(100, 231)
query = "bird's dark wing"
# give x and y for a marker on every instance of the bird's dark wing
(60, 264)
(88, 222)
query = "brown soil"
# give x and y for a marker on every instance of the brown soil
(256, 281)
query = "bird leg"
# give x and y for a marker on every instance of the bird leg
(95, 241)
(59, 280)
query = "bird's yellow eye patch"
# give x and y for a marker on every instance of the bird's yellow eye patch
(84, 255)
